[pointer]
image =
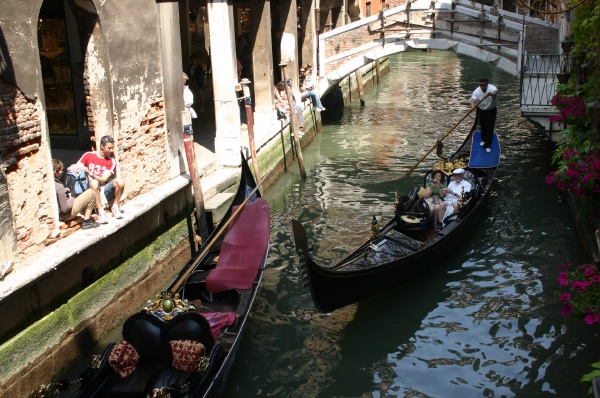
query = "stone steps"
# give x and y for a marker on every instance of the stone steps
(218, 183)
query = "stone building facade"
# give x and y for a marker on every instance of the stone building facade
(122, 83)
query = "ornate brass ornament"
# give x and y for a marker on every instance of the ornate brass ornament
(168, 305)
(163, 392)
(96, 361)
(45, 391)
(203, 364)
(448, 166)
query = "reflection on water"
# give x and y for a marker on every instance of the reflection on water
(484, 324)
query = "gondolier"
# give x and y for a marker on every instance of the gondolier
(486, 93)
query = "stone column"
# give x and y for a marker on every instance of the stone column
(289, 40)
(168, 13)
(224, 77)
(262, 80)
(184, 28)
(308, 46)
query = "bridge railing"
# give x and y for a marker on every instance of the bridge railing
(539, 79)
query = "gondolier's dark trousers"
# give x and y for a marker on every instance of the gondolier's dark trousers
(487, 119)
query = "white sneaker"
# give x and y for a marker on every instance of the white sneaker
(116, 212)
(102, 218)
(488, 150)
(481, 143)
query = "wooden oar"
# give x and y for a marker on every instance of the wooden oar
(209, 245)
(444, 136)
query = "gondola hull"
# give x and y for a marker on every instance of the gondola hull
(393, 257)
(184, 343)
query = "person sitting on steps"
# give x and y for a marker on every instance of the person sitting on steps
(100, 167)
(68, 206)
(281, 102)
(307, 88)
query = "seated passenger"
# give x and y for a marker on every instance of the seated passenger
(433, 197)
(457, 187)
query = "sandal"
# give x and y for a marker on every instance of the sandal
(438, 227)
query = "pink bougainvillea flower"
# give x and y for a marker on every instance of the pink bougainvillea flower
(567, 309)
(563, 279)
(561, 185)
(586, 178)
(590, 319)
(572, 173)
(596, 278)
(589, 272)
(564, 297)
(578, 285)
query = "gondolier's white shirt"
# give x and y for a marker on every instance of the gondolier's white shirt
(489, 102)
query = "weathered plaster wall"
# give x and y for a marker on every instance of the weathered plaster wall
(143, 151)
(27, 167)
(123, 83)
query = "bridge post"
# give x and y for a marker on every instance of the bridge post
(359, 83)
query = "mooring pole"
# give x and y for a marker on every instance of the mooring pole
(188, 143)
(359, 83)
(293, 120)
(250, 123)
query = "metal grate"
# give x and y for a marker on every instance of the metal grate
(539, 79)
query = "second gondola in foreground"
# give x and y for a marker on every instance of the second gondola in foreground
(407, 245)
(183, 344)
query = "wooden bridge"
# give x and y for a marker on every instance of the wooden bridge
(522, 46)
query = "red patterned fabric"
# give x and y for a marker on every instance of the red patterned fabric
(123, 358)
(188, 355)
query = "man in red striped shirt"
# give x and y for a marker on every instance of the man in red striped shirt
(100, 167)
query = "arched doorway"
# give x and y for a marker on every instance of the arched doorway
(64, 32)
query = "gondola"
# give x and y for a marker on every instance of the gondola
(407, 245)
(183, 343)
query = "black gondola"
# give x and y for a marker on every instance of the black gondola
(184, 342)
(406, 246)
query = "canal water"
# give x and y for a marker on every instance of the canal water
(485, 323)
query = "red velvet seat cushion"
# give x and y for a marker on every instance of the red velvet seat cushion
(188, 355)
(123, 358)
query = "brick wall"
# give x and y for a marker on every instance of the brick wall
(142, 155)
(347, 41)
(541, 40)
(28, 169)
(142, 152)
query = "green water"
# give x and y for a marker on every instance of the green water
(485, 323)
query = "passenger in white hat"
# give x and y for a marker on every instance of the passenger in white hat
(454, 190)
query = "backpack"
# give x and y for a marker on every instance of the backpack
(76, 181)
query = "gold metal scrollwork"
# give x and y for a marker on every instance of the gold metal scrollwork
(96, 361)
(203, 364)
(163, 392)
(449, 166)
(45, 391)
(168, 305)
